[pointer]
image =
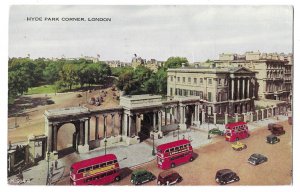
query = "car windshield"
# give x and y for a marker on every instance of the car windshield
(253, 157)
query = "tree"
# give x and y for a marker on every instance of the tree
(68, 75)
(175, 62)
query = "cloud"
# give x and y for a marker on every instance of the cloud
(151, 31)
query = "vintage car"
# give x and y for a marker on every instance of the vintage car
(256, 159)
(141, 176)
(276, 129)
(238, 146)
(226, 176)
(272, 139)
(168, 178)
(216, 131)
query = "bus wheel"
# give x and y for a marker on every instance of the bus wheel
(117, 178)
(191, 159)
(172, 165)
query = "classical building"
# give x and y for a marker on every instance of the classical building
(152, 64)
(274, 72)
(223, 90)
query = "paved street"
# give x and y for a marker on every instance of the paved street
(140, 155)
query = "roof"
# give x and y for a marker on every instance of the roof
(165, 146)
(92, 161)
(271, 136)
(231, 125)
(166, 173)
(223, 171)
(136, 172)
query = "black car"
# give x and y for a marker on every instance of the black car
(168, 178)
(256, 159)
(225, 176)
(272, 139)
(141, 176)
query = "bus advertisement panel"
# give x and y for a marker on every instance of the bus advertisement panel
(95, 171)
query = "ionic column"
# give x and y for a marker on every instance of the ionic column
(226, 118)
(251, 116)
(232, 89)
(203, 116)
(166, 116)
(170, 116)
(253, 90)
(257, 112)
(113, 124)
(129, 126)
(54, 137)
(159, 120)
(121, 122)
(81, 132)
(215, 118)
(238, 89)
(248, 88)
(243, 90)
(175, 115)
(262, 114)
(86, 131)
(195, 112)
(154, 121)
(137, 124)
(104, 126)
(273, 111)
(97, 128)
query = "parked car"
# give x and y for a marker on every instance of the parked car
(168, 178)
(238, 146)
(276, 129)
(272, 139)
(225, 176)
(141, 176)
(216, 131)
(256, 159)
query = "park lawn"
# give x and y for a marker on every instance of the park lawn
(44, 89)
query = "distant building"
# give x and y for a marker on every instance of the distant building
(152, 64)
(223, 90)
(117, 63)
(274, 72)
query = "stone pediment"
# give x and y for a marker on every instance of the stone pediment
(241, 70)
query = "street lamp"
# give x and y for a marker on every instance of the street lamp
(105, 141)
(48, 177)
(153, 150)
(178, 132)
(208, 115)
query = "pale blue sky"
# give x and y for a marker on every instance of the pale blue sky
(196, 32)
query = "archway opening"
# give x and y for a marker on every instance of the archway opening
(67, 139)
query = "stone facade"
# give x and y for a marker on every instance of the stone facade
(274, 72)
(230, 90)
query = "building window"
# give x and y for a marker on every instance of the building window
(180, 92)
(197, 93)
(171, 78)
(209, 81)
(171, 91)
(209, 96)
(220, 81)
(183, 79)
(189, 80)
(201, 94)
(178, 79)
(201, 80)
(191, 92)
(176, 91)
(195, 80)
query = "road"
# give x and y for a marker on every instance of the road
(219, 155)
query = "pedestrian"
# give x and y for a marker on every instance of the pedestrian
(51, 170)
(55, 164)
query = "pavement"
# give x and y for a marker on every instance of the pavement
(128, 156)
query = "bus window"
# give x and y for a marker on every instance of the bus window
(115, 161)
(168, 150)
(110, 162)
(181, 146)
(88, 168)
(81, 171)
(172, 149)
(109, 173)
(176, 148)
(96, 166)
(102, 164)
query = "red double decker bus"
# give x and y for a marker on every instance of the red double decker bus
(236, 131)
(174, 153)
(95, 171)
